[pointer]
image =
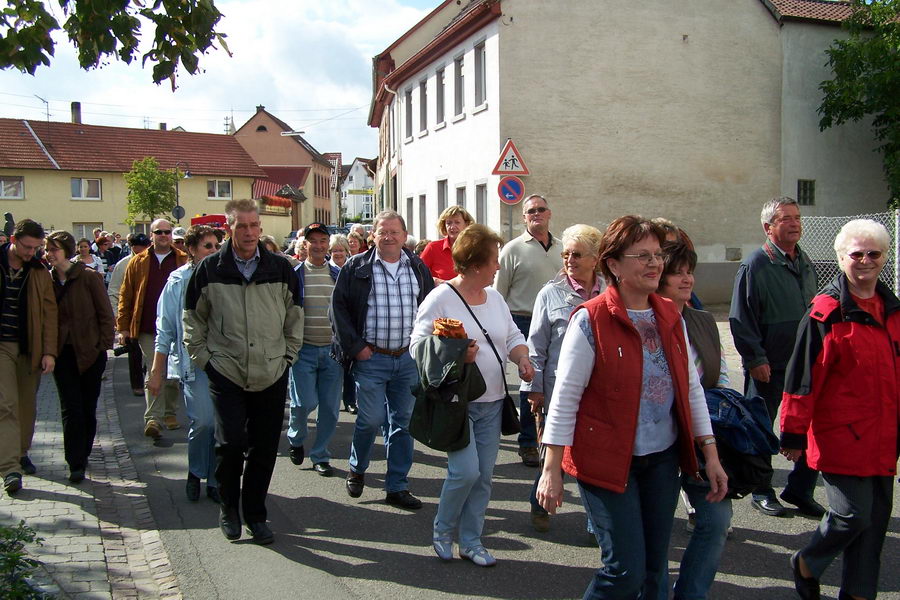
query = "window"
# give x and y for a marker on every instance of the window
(218, 188)
(407, 102)
(442, 196)
(439, 96)
(393, 127)
(423, 227)
(481, 203)
(480, 75)
(459, 86)
(409, 209)
(85, 230)
(367, 207)
(141, 227)
(423, 105)
(806, 192)
(85, 189)
(461, 197)
(12, 187)
(262, 128)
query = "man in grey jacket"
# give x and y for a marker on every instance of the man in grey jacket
(243, 325)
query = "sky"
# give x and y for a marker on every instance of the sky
(308, 62)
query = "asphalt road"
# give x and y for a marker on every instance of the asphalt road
(329, 545)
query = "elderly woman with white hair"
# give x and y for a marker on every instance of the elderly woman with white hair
(578, 281)
(840, 407)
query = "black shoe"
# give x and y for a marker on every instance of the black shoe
(324, 469)
(805, 506)
(355, 484)
(27, 466)
(403, 499)
(230, 523)
(212, 493)
(297, 455)
(807, 587)
(76, 475)
(352, 409)
(768, 506)
(12, 483)
(261, 533)
(192, 487)
(530, 457)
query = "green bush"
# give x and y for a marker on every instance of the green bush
(15, 564)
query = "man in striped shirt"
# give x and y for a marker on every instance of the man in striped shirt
(315, 380)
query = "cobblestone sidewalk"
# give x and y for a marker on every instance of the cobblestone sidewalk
(100, 539)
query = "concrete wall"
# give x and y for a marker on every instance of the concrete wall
(48, 199)
(842, 160)
(643, 107)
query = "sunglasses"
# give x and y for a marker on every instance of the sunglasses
(536, 210)
(870, 254)
(162, 232)
(210, 246)
(575, 255)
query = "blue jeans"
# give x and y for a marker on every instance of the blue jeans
(384, 392)
(701, 557)
(202, 428)
(528, 435)
(633, 529)
(315, 382)
(467, 488)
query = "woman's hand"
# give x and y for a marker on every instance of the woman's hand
(536, 400)
(718, 480)
(550, 489)
(471, 351)
(792, 454)
(526, 370)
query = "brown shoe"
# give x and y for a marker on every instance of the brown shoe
(171, 422)
(530, 457)
(153, 429)
(540, 520)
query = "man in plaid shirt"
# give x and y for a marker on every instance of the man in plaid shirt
(373, 307)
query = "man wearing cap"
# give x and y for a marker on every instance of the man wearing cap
(315, 380)
(138, 242)
(143, 282)
(178, 238)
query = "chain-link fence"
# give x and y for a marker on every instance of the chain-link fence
(818, 243)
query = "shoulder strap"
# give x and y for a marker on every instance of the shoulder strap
(486, 335)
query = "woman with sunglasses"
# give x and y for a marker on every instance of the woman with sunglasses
(171, 360)
(840, 407)
(627, 411)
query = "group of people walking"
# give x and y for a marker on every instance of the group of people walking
(614, 355)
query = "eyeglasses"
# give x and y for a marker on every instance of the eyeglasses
(162, 232)
(384, 233)
(870, 254)
(210, 246)
(536, 210)
(576, 255)
(644, 257)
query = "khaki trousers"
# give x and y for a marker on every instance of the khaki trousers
(166, 404)
(18, 391)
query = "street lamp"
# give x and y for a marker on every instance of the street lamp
(178, 211)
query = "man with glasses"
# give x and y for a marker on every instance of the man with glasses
(28, 345)
(373, 307)
(145, 277)
(526, 264)
(772, 290)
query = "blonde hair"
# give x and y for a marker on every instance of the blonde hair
(452, 211)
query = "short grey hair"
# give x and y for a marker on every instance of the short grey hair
(233, 207)
(771, 207)
(339, 239)
(387, 215)
(411, 242)
(863, 229)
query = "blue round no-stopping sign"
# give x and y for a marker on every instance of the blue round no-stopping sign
(511, 190)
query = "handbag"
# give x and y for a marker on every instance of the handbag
(509, 421)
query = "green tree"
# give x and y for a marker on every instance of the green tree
(184, 29)
(151, 190)
(866, 81)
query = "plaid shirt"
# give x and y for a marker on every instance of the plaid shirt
(392, 305)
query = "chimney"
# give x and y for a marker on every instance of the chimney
(260, 108)
(163, 126)
(76, 112)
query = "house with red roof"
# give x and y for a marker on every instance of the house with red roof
(70, 175)
(698, 111)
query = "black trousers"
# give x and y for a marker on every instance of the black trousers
(78, 394)
(135, 364)
(248, 424)
(802, 479)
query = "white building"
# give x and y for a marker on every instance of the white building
(357, 193)
(697, 111)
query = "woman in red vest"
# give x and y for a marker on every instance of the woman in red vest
(627, 411)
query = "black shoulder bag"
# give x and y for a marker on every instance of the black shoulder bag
(509, 424)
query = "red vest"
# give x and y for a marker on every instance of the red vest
(606, 423)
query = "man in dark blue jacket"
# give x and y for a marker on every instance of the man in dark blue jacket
(373, 307)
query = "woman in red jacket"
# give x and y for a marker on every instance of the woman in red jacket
(840, 406)
(437, 255)
(626, 411)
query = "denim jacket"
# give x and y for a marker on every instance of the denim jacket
(169, 328)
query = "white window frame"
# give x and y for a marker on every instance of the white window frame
(83, 183)
(423, 105)
(461, 195)
(9, 182)
(459, 85)
(217, 195)
(481, 202)
(85, 230)
(423, 224)
(440, 84)
(480, 74)
(442, 192)
(408, 121)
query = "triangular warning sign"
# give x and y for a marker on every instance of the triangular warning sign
(510, 162)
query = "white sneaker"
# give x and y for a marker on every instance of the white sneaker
(478, 555)
(443, 546)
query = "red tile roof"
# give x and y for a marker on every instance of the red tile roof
(79, 147)
(821, 11)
